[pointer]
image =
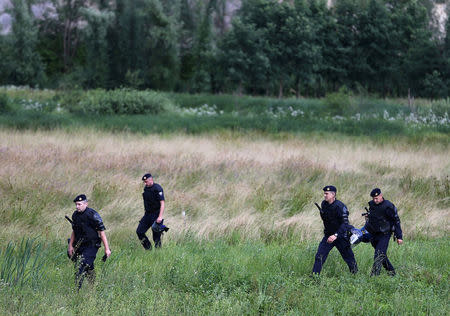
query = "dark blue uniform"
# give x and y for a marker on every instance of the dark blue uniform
(152, 203)
(382, 220)
(335, 220)
(86, 226)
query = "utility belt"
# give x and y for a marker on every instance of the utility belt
(80, 243)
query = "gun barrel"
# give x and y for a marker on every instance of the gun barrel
(320, 209)
(70, 221)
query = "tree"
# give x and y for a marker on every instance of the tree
(417, 52)
(69, 13)
(22, 64)
(94, 39)
(242, 59)
(376, 38)
(349, 58)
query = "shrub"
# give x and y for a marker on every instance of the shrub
(339, 103)
(120, 101)
(5, 104)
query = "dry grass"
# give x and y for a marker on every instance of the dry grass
(251, 185)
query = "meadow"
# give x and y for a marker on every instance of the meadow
(240, 207)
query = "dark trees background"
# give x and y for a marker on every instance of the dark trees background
(268, 47)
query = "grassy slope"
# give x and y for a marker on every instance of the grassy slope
(250, 196)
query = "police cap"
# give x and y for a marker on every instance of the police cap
(80, 198)
(330, 188)
(375, 192)
(146, 176)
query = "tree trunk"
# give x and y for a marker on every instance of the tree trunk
(280, 91)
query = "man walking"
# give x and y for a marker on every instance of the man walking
(88, 232)
(382, 219)
(334, 215)
(154, 204)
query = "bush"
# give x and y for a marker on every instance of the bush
(339, 103)
(5, 104)
(120, 101)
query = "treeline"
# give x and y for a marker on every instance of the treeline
(298, 47)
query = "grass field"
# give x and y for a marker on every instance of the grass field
(247, 184)
(225, 183)
(247, 242)
(236, 278)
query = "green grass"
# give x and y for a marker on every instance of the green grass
(381, 131)
(201, 114)
(229, 277)
(247, 266)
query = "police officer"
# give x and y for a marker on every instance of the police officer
(382, 220)
(153, 196)
(87, 234)
(334, 215)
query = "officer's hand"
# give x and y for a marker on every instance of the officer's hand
(70, 251)
(399, 241)
(331, 239)
(159, 219)
(107, 252)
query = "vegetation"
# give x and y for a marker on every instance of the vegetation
(339, 113)
(270, 47)
(241, 173)
(241, 278)
(243, 227)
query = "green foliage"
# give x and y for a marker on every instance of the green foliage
(300, 198)
(246, 278)
(156, 112)
(120, 101)
(21, 64)
(339, 103)
(96, 73)
(5, 104)
(275, 48)
(435, 86)
(21, 264)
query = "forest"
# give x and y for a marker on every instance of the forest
(301, 48)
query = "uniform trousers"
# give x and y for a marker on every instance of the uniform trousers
(381, 242)
(144, 224)
(85, 259)
(343, 246)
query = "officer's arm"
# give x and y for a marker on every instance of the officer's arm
(342, 231)
(105, 242)
(161, 212)
(70, 248)
(98, 222)
(395, 220)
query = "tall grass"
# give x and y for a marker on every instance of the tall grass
(223, 277)
(225, 184)
(247, 239)
(21, 263)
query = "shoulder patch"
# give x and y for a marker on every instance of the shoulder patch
(345, 210)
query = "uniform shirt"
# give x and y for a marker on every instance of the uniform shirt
(86, 226)
(335, 218)
(152, 198)
(384, 212)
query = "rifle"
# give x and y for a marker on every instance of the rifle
(366, 213)
(320, 209)
(70, 221)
